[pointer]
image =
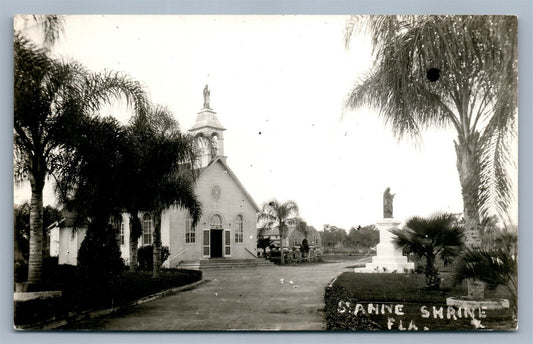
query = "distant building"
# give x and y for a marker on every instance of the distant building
(227, 228)
(294, 236)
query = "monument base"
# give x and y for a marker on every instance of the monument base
(388, 264)
(388, 258)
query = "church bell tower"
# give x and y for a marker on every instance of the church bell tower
(208, 125)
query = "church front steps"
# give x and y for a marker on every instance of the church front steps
(224, 264)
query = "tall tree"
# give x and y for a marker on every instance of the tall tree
(164, 175)
(91, 184)
(50, 97)
(439, 235)
(276, 214)
(449, 71)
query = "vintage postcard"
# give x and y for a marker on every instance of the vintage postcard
(265, 173)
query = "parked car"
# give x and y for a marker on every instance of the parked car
(275, 253)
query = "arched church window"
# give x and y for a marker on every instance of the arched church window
(190, 231)
(239, 229)
(215, 222)
(147, 229)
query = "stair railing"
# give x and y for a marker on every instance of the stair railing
(252, 253)
(166, 263)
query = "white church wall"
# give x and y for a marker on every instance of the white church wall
(232, 202)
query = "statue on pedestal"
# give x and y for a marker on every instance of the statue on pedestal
(207, 95)
(387, 204)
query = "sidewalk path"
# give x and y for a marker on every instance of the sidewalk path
(240, 299)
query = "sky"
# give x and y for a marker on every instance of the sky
(278, 84)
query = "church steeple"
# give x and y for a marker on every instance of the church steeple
(207, 123)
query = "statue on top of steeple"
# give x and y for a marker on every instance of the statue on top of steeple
(207, 95)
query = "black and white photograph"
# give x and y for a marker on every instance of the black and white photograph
(265, 172)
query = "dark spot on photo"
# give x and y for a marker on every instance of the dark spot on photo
(433, 74)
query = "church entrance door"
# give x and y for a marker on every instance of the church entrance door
(216, 243)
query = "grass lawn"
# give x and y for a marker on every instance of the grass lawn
(389, 287)
(339, 257)
(81, 294)
(388, 301)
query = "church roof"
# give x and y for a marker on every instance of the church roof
(207, 118)
(68, 220)
(269, 231)
(233, 176)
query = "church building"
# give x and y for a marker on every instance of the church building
(227, 228)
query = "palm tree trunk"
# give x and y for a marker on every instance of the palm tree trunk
(35, 260)
(157, 244)
(468, 168)
(431, 273)
(281, 236)
(135, 230)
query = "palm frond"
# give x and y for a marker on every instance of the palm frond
(476, 92)
(438, 234)
(50, 25)
(274, 213)
(494, 267)
(105, 87)
(179, 190)
(164, 158)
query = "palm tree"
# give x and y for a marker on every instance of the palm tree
(165, 174)
(173, 190)
(439, 235)
(276, 214)
(21, 221)
(91, 184)
(449, 71)
(50, 98)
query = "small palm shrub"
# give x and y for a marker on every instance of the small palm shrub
(438, 235)
(496, 266)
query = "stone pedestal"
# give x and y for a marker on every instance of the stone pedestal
(388, 258)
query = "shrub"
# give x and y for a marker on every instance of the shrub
(396, 289)
(38, 310)
(165, 253)
(419, 269)
(99, 260)
(429, 238)
(494, 267)
(21, 271)
(49, 266)
(145, 258)
(80, 295)
(344, 321)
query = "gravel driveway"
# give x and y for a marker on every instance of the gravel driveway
(263, 298)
